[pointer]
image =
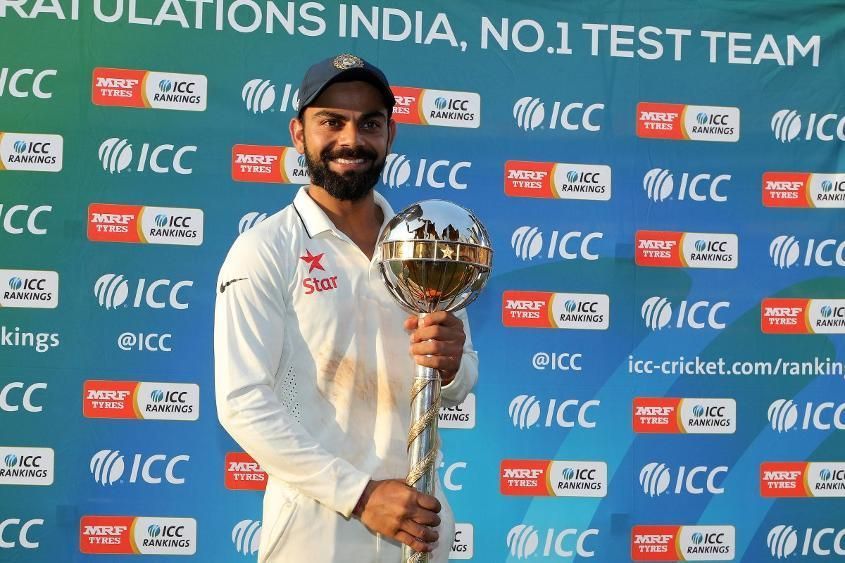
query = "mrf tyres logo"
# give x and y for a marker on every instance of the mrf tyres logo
(803, 190)
(683, 543)
(802, 316)
(786, 415)
(29, 289)
(421, 106)
(672, 249)
(137, 535)
(660, 185)
(26, 466)
(530, 114)
(31, 152)
(140, 400)
(244, 473)
(789, 125)
(401, 171)
(780, 479)
(108, 222)
(557, 180)
(787, 251)
(117, 155)
(673, 415)
(524, 541)
(531, 477)
(268, 164)
(687, 123)
(785, 541)
(149, 89)
(540, 309)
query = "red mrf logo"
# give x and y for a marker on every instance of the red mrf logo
(654, 543)
(784, 316)
(109, 399)
(244, 473)
(656, 415)
(105, 534)
(786, 189)
(407, 108)
(658, 248)
(118, 87)
(524, 477)
(783, 479)
(529, 179)
(526, 309)
(659, 121)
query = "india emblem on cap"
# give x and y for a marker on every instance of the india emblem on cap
(347, 61)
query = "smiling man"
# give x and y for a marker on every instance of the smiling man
(313, 369)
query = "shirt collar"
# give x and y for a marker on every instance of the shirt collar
(315, 220)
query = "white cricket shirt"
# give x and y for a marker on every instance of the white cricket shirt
(312, 378)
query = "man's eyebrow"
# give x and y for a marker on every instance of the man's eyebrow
(340, 116)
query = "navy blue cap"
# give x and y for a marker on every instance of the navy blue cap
(342, 68)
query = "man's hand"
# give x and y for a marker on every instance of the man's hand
(438, 342)
(394, 509)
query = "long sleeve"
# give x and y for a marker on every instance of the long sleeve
(249, 336)
(457, 390)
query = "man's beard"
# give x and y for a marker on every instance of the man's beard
(350, 186)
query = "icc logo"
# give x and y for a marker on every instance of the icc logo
(250, 220)
(400, 171)
(525, 412)
(787, 124)
(659, 185)
(259, 95)
(246, 536)
(112, 291)
(116, 156)
(657, 314)
(108, 467)
(530, 114)
(527, 243)
(656, 479)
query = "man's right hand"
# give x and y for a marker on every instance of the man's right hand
(394, 509)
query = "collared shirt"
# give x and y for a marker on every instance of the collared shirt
(313, 375)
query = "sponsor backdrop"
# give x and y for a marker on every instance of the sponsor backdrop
(661, 344)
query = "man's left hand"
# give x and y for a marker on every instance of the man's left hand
(438, 342)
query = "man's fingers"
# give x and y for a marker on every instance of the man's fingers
(425, 517)
(436, 348)
(410, 540)
(428, 502)
(425, 533)
(441, 318)
(438, 332)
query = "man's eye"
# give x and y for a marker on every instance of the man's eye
(372, 125)
(331, 123)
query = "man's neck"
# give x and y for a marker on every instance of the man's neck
(359, 220)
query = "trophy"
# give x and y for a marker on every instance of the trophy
(434, 256)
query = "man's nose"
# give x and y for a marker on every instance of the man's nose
(349, 136)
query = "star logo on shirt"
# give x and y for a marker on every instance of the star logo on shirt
(313, 260)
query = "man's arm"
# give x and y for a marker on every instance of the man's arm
(249, 333)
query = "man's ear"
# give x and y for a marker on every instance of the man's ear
(297, 134)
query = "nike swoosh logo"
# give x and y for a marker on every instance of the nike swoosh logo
(223, 286)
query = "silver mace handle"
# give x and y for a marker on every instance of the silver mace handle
(422, 440)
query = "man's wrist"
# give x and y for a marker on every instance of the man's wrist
(362, 500)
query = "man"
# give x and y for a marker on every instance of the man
(312, 368)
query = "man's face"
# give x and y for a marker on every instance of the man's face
(345, 135)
